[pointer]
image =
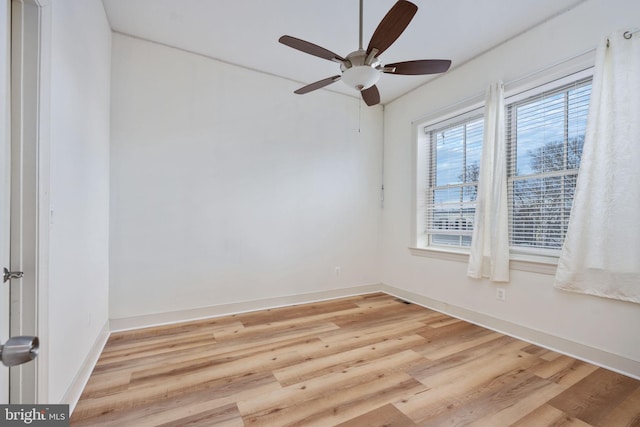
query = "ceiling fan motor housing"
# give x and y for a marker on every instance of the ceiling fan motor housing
(359, 71)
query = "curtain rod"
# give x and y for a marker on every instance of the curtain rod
(479, 97)
(550, 67)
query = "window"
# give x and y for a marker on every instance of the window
(545, 134)
(453, 149)
(545, 130)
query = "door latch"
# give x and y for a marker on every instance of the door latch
(8, 275)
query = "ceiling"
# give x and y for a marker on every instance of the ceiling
(246, 32)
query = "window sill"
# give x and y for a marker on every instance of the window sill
(519, 262)
(441, 253)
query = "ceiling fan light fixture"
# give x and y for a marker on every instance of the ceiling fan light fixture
(360, 77)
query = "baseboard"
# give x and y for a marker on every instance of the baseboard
(576, 350)
(74, 391)
(137, 322)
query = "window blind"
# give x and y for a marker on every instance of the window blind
(453, 164)
(545, 135)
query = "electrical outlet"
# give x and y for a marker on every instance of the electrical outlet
(501, 294)
(337, 271)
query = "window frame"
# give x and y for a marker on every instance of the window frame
(543, 262)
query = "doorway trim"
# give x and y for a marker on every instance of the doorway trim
(5, 179)
(30, 124)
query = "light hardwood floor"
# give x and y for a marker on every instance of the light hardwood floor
(362, 361)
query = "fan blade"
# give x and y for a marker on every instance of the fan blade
(421, 66)
(317, 85)
(371, 96)
(310, 48)
(391, 26)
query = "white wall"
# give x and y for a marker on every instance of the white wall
(532, 301)
(79, 234)
(227, 187)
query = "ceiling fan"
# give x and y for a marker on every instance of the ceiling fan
(361, 69)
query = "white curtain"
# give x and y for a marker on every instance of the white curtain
(601, 254)
(490, 242)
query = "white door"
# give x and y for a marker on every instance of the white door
(5, 161)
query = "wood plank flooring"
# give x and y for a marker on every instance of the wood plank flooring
(368, 360)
